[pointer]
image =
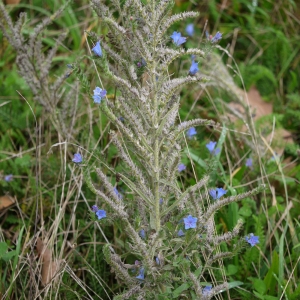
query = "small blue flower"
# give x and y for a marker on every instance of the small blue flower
(177, 38)
(161, 201)
(98, 95)
(95, 208)
(119, 195)
(180, 233)
(206, 290)
(181, 167)
(141, 63)
(8, 178)
(249, 162)
(252, 239)
(194, 68)
(101, 214)
(97, 49)
(77, 158)
(217, 193)
(141, 275)
(190, 132)
(142, 234)
(190, 222)
(157, 260)
(190, 29)
(217, 37)
(136, 263)
(211, 147)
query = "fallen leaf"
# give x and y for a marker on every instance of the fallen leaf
(258, 106)
(6, 201)
(12, 2)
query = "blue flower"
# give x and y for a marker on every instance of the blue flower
(190, 29)
(206, 290)
(190, 222)
(161, 201)
(217, 37)
(142, 234)
(101, 214)
(217, 193)
(8, 178)
(98, 95)
(181, 167)
(119, 195)
(141, 275)
(77, 158)
(252, 239)
(180, 233)
(157, 260)
(190, 132)
(141, 63)
(194, 68)
(177, 38)
(249, 163)
(95, 208)
(97, 49)
(211, 147)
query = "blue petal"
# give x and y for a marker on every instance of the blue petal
(97, 49)
(211, 146)
(190, 29)
(77, 158)
(101, 214)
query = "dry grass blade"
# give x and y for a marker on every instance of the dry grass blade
(49, 267)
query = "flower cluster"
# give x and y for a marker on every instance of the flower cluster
(98, 95)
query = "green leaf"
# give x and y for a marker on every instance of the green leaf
(180, 289)
(259, 285)
(7, 256)
(258, 295)
(3, 248)
(231, 270)
(196, 158)
(245, 211)
(269, 279)
(234, 284)
(23, 161)
(198, 271)
(267, 297)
